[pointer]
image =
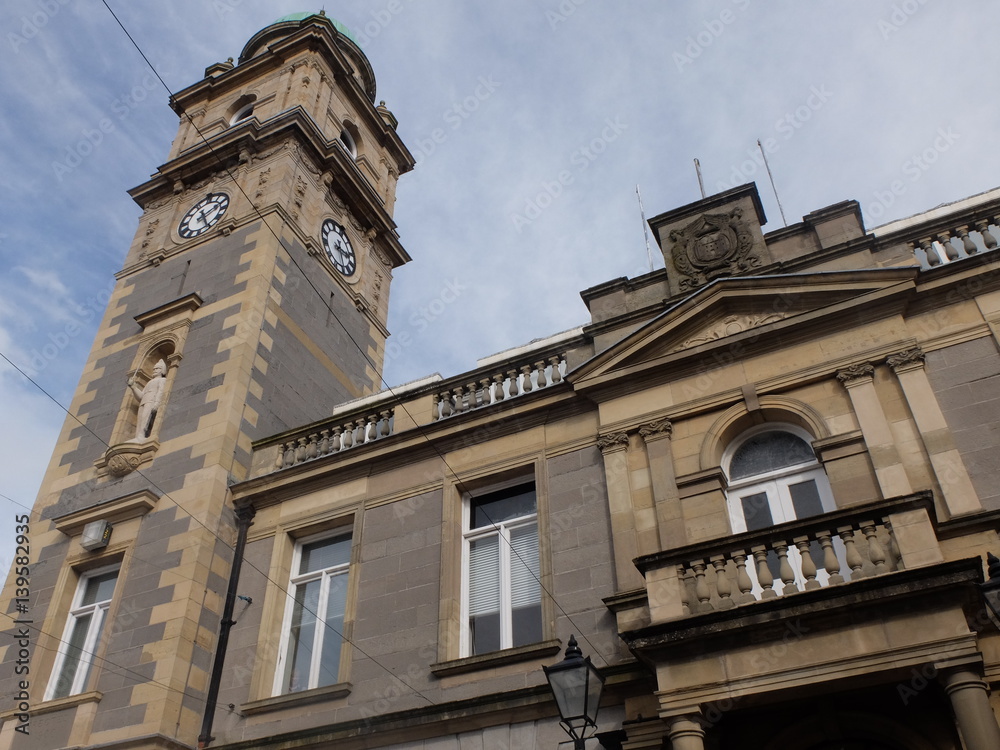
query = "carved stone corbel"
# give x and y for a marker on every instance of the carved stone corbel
(854, 373)
(906, 360)
(614, 442)
(661, 428)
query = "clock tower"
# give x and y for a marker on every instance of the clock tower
(253, 299)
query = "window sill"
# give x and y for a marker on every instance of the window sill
(71, 701)
(496, 658)
(328, 692)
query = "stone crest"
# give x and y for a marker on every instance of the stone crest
(711, 246)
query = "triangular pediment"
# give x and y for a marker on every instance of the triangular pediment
(745, 309)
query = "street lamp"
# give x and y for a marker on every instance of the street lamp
(991, 587)
(576, 685)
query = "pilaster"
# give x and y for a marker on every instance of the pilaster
(956, 487)
(615, 447)
(968, 693)
(860, 384)
(666, 498)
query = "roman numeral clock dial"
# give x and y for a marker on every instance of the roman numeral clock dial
(338, 247)
(203, 215)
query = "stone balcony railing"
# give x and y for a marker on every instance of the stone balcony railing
(805, 555)
(410, 407)
(949, 233)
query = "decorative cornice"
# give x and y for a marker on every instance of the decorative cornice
(906, 360)
(856, 372)
(659, 428)
(613, 442)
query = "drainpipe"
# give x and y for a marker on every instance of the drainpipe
(244, 519)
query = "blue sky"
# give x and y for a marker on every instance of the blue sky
(532, 122)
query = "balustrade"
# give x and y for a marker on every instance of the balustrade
(961, 241)
(334, 437)
(501, 386)
(809, 555)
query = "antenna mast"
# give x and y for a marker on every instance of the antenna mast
(701, 185)
(645, 229)
(771, 177)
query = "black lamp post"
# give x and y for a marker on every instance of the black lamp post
(577, 686)
(991, 587)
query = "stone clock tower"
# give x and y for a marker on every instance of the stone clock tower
(253, 299)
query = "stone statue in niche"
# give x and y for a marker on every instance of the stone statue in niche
(150, 399)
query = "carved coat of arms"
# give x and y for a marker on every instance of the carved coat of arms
(712, 245)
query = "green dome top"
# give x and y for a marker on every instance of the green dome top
(295, 17)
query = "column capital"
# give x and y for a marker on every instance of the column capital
(907, 359)
(616, 441)
(661, 428)
(856, 374)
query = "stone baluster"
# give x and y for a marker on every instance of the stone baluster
(808, 564)
(312, 450)
(512, 387)
(933, 259)
(967, 243)
(895, 556)
(723, 585)
(348, 438)
(324, 442)
(555, 376)
(685, 593)
(485, 386)
(983, 227)
(446, 405)
(830, 561)
(950, 251)
(371, 429)
(875, 552)
(854, 561)
(280, 460)
(473, 390)
(335, 440)
(498, 387)
(300, 450)
(764, 577)
(743, 582)
(540, 369)
(701, 586)
(385, 426)
(458, 394)
(785, 571)
(526, 380)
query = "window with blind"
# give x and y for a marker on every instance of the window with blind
(502, 593)
(314, 618)
(82, 634)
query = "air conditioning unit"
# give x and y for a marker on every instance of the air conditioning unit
(96, 535)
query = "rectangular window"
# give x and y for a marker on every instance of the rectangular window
(314, 619)
(82, 634)
(502, 592)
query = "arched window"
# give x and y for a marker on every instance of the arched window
(774, 477)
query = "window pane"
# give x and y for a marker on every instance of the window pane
(769, 451)
(489, 510)
(484, 575)
(524, 569)
(99, 588)
(303, 633)
(329, 667)
(484, 631)
(74, 656)
(805, 499)
(327, 553)
(527, 624)
(756, 511)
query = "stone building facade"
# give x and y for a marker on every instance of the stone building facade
(757, 486)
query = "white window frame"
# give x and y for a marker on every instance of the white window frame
(502, 530)
(326, 575)
(98, 610)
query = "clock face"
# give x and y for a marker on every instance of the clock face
(203, 215)
(338, 247)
